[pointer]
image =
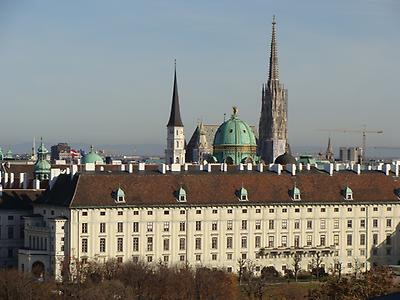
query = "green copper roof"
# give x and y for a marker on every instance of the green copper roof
(92, 157)
(234, 132)
(42, 166)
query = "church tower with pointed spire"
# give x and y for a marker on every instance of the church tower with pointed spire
(273, 132)
(175, 152)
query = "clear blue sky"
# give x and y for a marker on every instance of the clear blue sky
(101, 71)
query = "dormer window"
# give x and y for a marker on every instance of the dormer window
(397, 192)
(181, 195)
(348, 193)
(295, 193)
(120, 196)
(243, 194)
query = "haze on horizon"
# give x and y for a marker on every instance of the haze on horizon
(101, 72)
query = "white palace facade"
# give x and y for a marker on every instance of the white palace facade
(216, 214)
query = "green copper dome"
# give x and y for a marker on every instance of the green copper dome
(234, 141)
(92, 157)
(42, 166)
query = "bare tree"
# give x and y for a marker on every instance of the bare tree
(316, 263)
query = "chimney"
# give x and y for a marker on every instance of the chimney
(175, 167)
(11, 183)
(277, 168)
(25, 184)
(337, 167)
(68, 171)
(369, 168)
(300, 167)
(260, 167)
(380, 165)
(74, 170)
(291, 168)
(224, 167)
(186, 167)
(21, 180)
(101, 169)
(208, 168)
(240, 167)
(162, 168)
(395, 169)
(329, 168)
(122, 166)
(249, 167)
(308, 167)
(54, 173)
(130, 168)
(356, 169)
(90, 167)
(142, 166)
(36, 184)
(386, 169)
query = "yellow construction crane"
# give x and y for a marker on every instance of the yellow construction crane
(363, 131)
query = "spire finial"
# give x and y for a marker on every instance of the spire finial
(273, 59)
(234, 111)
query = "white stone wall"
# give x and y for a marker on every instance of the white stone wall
(278, 256)
(175, 152)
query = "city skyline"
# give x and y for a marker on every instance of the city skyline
(103, 73)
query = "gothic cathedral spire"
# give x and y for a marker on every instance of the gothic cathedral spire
(175, 152)
(273, 120)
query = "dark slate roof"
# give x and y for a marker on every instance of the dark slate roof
(175, 116)
(219, 188)
(18, 199)
(285, 159)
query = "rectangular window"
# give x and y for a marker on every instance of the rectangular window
(198, 212)
(135, 226)
(135, 245)
(244, 224)
(214, 211)
(181, 257)
(149, 243)
(284, 241)
(257, 241)
(166, 212)
(322, 240)
(284, 210)
(271, 210)
(84, 228)
(84, 213)
(244, 242)
(323, 209)
(322, 224)
(258, 224)
(309, 240)
(120, 227)
(149, 226)
(229, 242)
(214, 243)
(271, 224)
(375, 223)
(182, 244)
(349, 223)
(102, 245)
(214, 256)
(309, 209)
(362, 239)
(271, 241)
(229, 225)
(229, 256)
(198, 244)
(336, 224)
(120, 244)
(336, 240)
(102, 213)
(135, 212)
(214, 225)
(349, 240)
(362, 223)
(375, 239)
(102, 227)
(297, 224)
(336, 209)
(229, 211)
(388, 222)
(198, 257)
(10, 232)
(182, 226)
(244, 211)
(258, 211)
(297, 241)
(284, 224)
(198, 225)
(84, 245)
(149, 212)
(349, 253)
(166, 226)
(182, 212)
(166, 244)
(309, 224)
(120, 213)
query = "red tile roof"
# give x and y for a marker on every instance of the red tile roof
(202, 188)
